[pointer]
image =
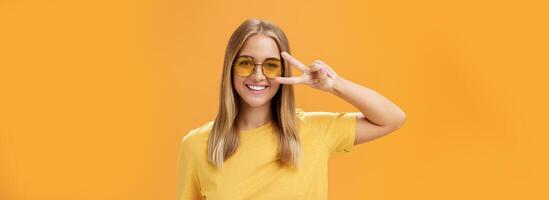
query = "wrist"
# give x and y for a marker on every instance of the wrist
(338, 85)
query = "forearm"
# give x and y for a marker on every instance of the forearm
(375, 107)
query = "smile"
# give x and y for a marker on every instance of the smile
(256, 89)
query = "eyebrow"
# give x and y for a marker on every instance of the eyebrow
(256, 59)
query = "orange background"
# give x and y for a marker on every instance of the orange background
(96, 95)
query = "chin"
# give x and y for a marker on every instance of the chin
(255, 102)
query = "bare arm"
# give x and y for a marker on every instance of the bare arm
(379, 116)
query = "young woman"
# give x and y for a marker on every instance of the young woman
(260, 146)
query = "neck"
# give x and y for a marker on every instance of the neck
(253, 117)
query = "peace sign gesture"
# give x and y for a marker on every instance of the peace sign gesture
(318, 75)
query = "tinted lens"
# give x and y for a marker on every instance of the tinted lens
(272, 68)
(244, 66)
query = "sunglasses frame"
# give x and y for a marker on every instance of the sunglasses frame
(262, 66)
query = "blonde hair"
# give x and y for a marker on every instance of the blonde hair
(224, 137)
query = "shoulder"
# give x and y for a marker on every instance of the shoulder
(322, 116)
(308, 117)
(300, 113)
(197, 136)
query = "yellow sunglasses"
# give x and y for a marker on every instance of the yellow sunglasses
(245, 66)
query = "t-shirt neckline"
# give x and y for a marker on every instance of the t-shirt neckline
(259, 128)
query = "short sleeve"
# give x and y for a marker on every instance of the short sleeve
(337, 128)
(187, 180)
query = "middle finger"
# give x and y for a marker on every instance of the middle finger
(294, 62)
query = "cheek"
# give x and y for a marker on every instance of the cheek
(275, 87)
(237, 82)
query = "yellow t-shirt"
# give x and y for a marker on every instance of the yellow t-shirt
(253, 173)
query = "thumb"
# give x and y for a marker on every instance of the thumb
(314, 67)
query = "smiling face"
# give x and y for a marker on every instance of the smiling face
(257, 90)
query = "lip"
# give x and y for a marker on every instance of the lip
(257, 84)
(255, 92)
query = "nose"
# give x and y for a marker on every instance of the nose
(257, 74)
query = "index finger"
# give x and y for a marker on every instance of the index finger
(294, 61)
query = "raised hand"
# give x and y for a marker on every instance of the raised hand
(318, 75)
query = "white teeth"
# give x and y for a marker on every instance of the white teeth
(256, 87)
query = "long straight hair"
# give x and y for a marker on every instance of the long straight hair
(224, 137)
